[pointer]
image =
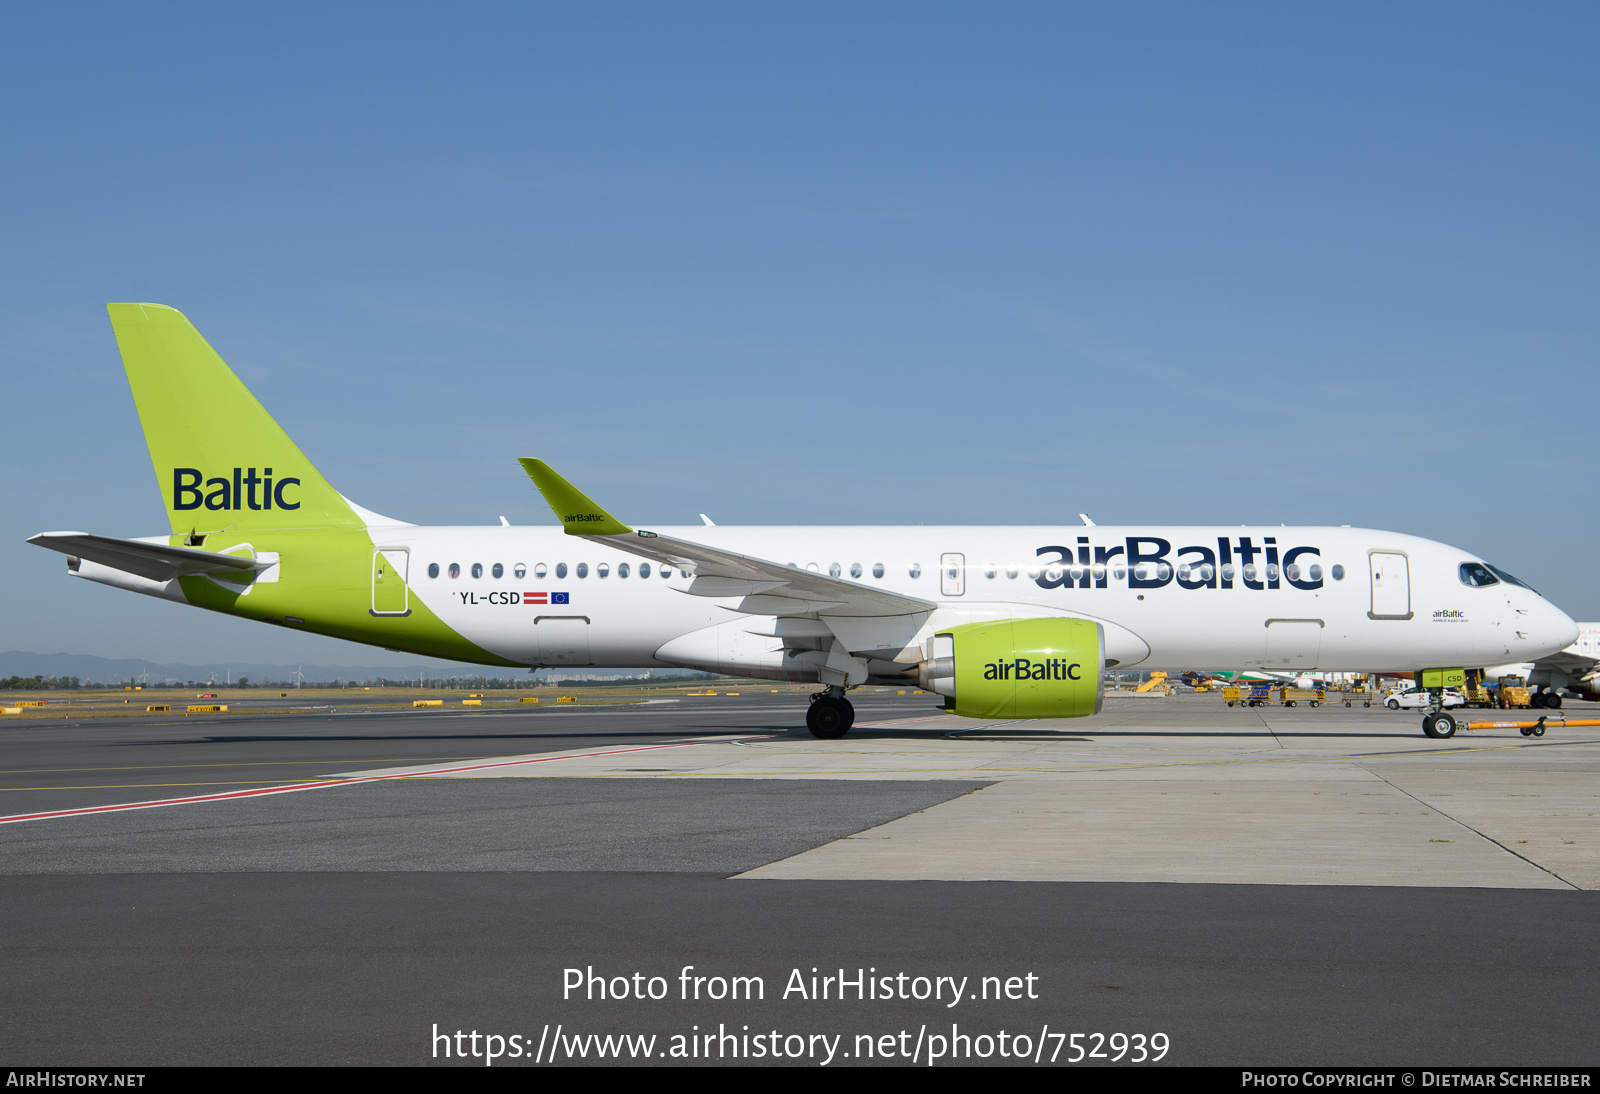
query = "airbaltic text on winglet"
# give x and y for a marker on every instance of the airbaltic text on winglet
(571, 517)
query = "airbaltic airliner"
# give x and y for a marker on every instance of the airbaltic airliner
(1003, 622)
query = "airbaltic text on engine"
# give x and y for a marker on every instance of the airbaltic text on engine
(1024, 669)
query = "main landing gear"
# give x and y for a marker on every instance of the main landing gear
(830, 715)
(1545, 700)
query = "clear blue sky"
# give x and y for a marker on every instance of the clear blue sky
(813, 264)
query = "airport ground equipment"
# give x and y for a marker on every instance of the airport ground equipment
(1290, 696)
(1535, 729)
(1362, 693)
(1157, 679)
(1252, 697)
(1477, 694)
(1513, 696)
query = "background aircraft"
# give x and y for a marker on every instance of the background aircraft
(1574, 670)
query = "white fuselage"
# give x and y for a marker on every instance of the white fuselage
(1355, 599)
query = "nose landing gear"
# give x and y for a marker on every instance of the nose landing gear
(1439, 725)
(830, 715)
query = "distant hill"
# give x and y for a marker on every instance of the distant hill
(103, 670)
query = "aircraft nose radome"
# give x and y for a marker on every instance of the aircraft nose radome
(1556, 630)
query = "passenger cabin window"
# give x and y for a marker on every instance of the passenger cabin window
(1227, 571)
(477, 569)
(644, 569)
(916, 570)
(455, 569)
(521, 571)
(1477, 574)
(1316, 572)
(498, 571)
(561, 569)
(1338, 572)
(833, 569)
(1011, 571)
(1272, 571)
(989, 570)
(665, 572)
(877, 569)
(583, 569)
(855, 569)
(622, 570)
(602, 570)
(433, 569)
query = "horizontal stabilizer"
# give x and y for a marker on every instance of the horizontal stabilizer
(155, 561)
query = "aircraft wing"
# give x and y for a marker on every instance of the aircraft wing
(156, 561)
(770, 587)
(1567, 661)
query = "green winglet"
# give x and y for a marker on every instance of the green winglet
(580, 515)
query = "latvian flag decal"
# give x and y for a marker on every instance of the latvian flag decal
(544, 598)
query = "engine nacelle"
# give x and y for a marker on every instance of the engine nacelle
(1019, 668)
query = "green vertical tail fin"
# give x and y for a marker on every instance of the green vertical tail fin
(220, 459)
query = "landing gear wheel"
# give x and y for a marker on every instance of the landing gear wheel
(1552, 700)
(1439, 726)
(1536, 699)
(830, 718)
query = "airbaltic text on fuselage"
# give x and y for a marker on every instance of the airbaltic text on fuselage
(191, 489)
(1056, 668)
(1150, 563)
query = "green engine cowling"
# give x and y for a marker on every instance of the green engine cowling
(1019, 668)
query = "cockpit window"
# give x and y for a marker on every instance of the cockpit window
(1509, 580)
(1476, 573)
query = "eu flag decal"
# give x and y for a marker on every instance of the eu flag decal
(558, 598)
